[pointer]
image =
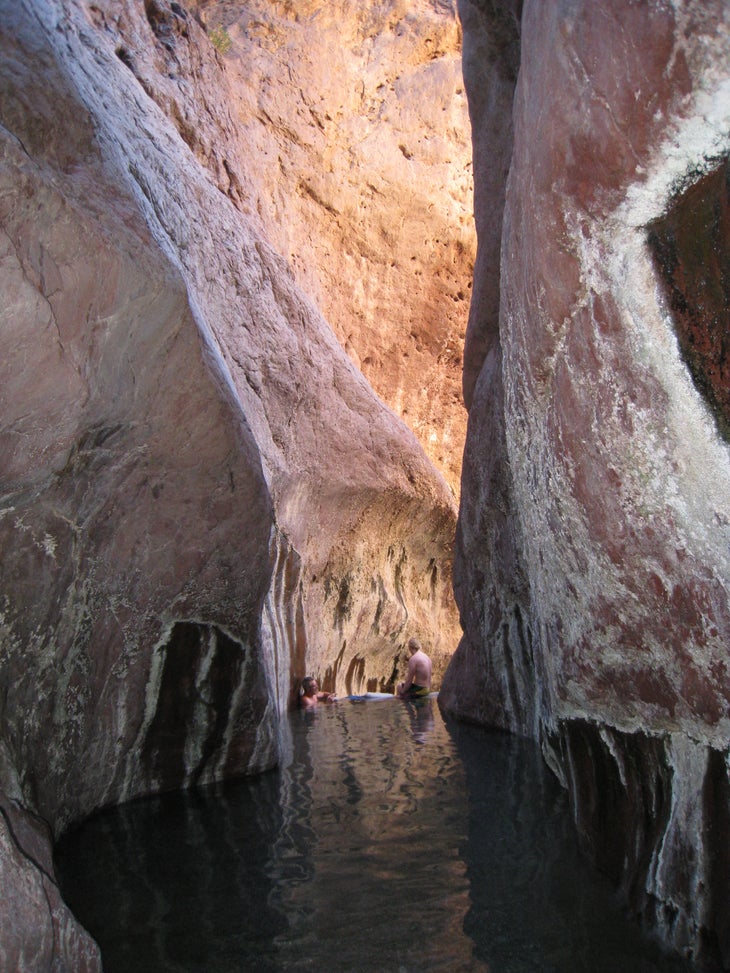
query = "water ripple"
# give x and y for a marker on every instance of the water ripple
(387, 841)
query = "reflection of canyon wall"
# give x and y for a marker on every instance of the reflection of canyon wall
(202, 498)
(593, 564)
(359, 116)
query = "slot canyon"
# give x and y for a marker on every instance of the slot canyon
(326, 325)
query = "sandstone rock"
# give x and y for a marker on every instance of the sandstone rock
(359, 116)
(202, 498)
(37, 931)
(609, 638)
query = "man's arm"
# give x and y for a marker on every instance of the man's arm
(409, 675)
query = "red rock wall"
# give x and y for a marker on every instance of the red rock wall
(201, 498)
(592, 566)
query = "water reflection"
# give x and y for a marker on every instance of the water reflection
(388, 890)
(386, 842)
(535, 904)
(421, 714)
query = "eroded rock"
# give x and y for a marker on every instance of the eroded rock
(37, 931)
(359, 118)
(202, 497)
(607, 636)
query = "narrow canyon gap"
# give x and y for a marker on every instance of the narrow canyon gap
(202, 498)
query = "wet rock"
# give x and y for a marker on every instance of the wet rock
(606, 622)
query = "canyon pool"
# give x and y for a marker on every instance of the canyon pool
(388, 840)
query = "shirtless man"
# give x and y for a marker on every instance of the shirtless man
(418, 678)
(311, 694)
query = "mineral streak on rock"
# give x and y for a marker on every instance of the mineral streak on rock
(201, 497)
(593, 564)
(637, 799)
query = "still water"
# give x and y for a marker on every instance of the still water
(388, 842)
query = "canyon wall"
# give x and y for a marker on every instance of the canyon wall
(593, 556)
(201, 496)
(358, 115)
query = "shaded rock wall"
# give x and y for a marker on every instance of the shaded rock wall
(592, 567)
(491, 583)
(37, 932)
(201, 498)
(691, 253)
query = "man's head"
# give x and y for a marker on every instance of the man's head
(309, 686)
(414, 646)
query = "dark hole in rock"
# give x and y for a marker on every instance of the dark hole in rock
(125, 57)
(691, 246)
(202, 668)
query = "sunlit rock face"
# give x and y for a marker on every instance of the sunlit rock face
(593, 565)
(202, 498)
(359, 116)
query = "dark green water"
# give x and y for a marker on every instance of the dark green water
(389, 842)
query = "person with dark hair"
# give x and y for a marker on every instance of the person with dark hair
(418, 677)
(310, 694)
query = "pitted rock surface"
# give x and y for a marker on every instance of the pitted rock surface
(359, 117)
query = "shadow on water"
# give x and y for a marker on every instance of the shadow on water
(536, 906)
(387, 841)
